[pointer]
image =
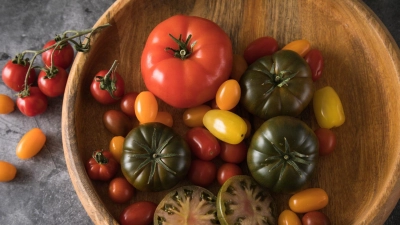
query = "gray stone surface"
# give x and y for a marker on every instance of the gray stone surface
(42, 192)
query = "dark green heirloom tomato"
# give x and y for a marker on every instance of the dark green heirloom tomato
(283, 154)
(279, 84)
(154, 157)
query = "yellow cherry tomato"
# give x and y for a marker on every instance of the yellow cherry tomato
(228, 95)
(31, 143)
(165, 118)
(239, 66)
(308, 200)
(302, 47)
(225, 125)
(328, 108)
(288, 217)
(116, 147)
(6, 104)
(193, 117)
(7, 171)
(146, 107)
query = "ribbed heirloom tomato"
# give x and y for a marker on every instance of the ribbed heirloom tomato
(185, 60)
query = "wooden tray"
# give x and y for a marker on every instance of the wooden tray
(361, 64)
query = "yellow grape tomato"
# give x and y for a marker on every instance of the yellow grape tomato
(116, 147)
(193, 117)
(288, 217)
(308, 200)
(328, 108)
(146, 107)
(31, 143)
(228, 95)
(225, 125)
(302, 47)
(165, 118)
(7, 171)
(6, 104)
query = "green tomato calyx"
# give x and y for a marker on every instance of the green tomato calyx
(279, 79)
(108, 82)
(184, 50)
(99, 157)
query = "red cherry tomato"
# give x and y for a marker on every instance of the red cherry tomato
(33, 104)
(202, 143)
(138, 213)
(315, 60)
(327, 141)
(202, 173)
(233, 153)
(260, 47)
(13, 75)
(107, 89)
(102, 166)
(63, 55)
(120, 190)
(226, 171)
(315, 218)
(128, 103)
(52, 82)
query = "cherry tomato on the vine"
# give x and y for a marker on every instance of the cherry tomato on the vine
(315, 60)
(138, 213)
(128, 103)
(193, 117)
(202, 173)
(101, 166)
(13, 75)
(226, 171)
(326, 139)
(63, 55)
(233, 153)
(302, 47)
(260, 47)
(7, 171)
(31, 143)
(228, 95)
(7, 105)
(146, 107)
(202, 143)
(33, 104)
(52, 81)
(120, 190)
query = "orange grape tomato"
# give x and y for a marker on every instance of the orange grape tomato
(193, 117)
(7, 105)
(165, 118)
(302, 47)
(146, 107)
(7, 171)
(239, 66)
(308, 200)
(116, 147)
(31, 143)
(228, 95)
(288, 217)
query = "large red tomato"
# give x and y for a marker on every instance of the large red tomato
(189, 73)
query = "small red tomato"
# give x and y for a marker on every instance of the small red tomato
(233, 153)
(13, 75)
(316, 62)
(260, 47)
(63, 55)
(101, 166)
(120, 190)
(327, 141)
(128, 103)
(138, 213)
(33, 104)
(202, 143)
(202, 173)
(52, 81)
(315, 218)
(226, 171)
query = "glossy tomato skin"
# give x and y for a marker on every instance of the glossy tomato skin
(288, 217)
(202, 173)
(146, 107)
(138, 213)
(226, 171)
(118, 123)
(7, 105)
(301, 46)
(308, 200)
(285, 91)
(260, 47)
(7, 171)
(34, 104)
(31, 143)
(13, 75)
(233, 153)
(103, 96)
(155, 157)
(276, 146)
(193, 117)
(120, 190)
(54, 86)
(195, 79)
(228, 95)
(315, 218)
(127, 104)
(116, 147)
(315, 60)
(202, 143)
(328, 108)
(327, 141)
(101, 166)
(63, 56)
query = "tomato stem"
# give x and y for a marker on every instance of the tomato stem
(184, 51)
(99, 157)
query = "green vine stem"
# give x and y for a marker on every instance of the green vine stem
(60, 41)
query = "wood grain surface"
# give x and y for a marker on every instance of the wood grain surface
(361, 64)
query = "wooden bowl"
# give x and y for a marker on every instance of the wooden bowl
(361, 64)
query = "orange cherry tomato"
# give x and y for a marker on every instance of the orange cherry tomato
(308, 200)
(7, 105)
(193, 117)
(146, 107)
(302, 47)
(228, 95)
(116, 147)
(31, 143)
(239, 66)
(165, 118)
(288, 217)
(7, 171)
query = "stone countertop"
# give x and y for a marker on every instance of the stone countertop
(42, 192)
